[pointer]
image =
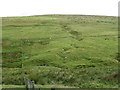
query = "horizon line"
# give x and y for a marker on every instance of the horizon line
(59, 14)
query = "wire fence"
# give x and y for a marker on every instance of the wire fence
(30, 85)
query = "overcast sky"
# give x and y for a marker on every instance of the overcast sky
(41, 7)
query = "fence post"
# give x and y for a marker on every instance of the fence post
(30, 85)
(33, 83)
(26, 83)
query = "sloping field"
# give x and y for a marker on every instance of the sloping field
(67, 50)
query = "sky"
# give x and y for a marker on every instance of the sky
(41, 7)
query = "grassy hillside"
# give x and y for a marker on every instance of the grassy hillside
(68, 50)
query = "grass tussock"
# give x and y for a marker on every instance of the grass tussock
(72, 51)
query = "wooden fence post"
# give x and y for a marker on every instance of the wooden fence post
(30, 85)
(33, 83)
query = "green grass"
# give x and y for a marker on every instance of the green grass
(68, 50)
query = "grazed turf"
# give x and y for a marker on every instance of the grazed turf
(71, 50)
